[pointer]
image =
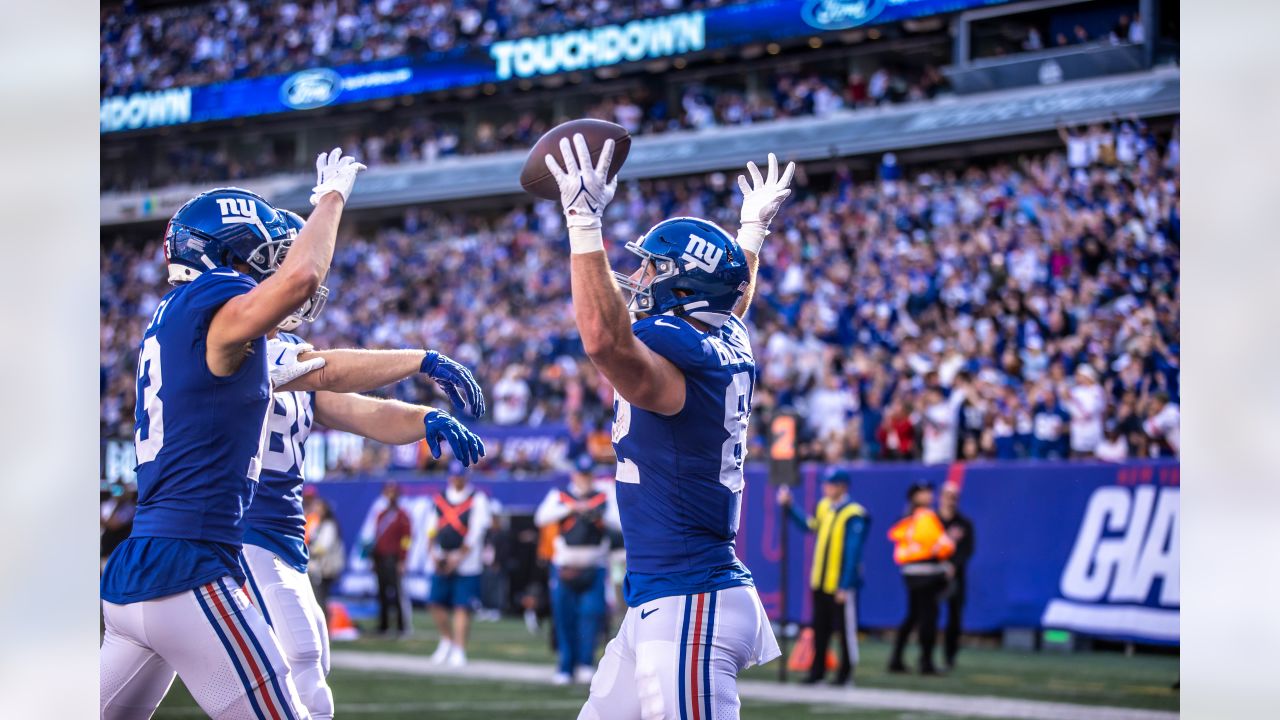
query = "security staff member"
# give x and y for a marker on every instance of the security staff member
(455, 533)
(921, 548)
(391, 535)
(842, 527)
(960, 529)
(582, 516)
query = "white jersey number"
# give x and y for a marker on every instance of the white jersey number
(297, 410)
(148, 438)
(627, 471)
(737, 412)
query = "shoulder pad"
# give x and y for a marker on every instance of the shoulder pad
(674, 339)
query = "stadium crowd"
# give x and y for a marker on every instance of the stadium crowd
(1023, 309)
(429, 137)
(199, 43)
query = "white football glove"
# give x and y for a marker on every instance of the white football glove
(584, 192)
(283, 363)
(761, 200)
(335, 173)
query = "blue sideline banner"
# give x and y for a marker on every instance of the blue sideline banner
(1089, 547)
(467, 66)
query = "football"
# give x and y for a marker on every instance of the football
(536, 179)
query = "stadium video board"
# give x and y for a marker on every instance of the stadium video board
(466, 66)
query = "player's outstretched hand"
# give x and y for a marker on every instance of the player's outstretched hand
(283, 363)
(584, 191)
(762, 197)
(335, 173)
(456, 381)
(467, 446)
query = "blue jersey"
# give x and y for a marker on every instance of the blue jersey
(198, 439)
(275, 520)
(680, 477)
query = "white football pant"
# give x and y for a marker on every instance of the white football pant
(677, 658)
(212, 638)
(288, 602)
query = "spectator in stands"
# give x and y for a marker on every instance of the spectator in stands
(1137, 35)
(960, 529)
(878, 87)
(583, 517)
(392, 532)
(1077, 147)
(1032, 42)
(896, 435)
(841, 526)
(1114, 447)
(325, 548)
(1162, 424)
(921, 549)
(511, 396)
(455, 538)
(1030, 259)
(213, 42)
(1087, 405)
(939, 422)
(1048, 418)
(830, 408)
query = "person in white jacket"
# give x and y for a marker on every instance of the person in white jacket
(583, 515)
(460, 517)
(1087, 404)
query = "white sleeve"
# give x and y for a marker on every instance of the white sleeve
(1151, 427)
(325, 538)
(432, 520)
(480, 520)
(612, 520)
(550, 510)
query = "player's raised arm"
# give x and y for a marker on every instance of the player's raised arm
(257, 312)
(295, 367)
(641, 376)
(398, 423)
(761, 199)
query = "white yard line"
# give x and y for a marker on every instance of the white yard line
(942, 703)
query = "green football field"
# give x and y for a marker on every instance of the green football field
(1139, 681)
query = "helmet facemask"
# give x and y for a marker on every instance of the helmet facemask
(272, 255)
(664, 268)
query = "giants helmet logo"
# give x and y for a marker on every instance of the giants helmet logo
(701, 254)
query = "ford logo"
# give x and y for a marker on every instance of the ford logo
(311, 88)
(841, 14)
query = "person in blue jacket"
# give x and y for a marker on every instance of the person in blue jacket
(836, 576)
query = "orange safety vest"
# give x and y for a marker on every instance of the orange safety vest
(920, 537)
(313, 521)
(593, 502)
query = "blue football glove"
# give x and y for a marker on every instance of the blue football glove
(467, 446)
(456, 381)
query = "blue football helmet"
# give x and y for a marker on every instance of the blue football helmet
(310, 310)
(220, 227)
(698, 271)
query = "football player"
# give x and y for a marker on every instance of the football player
(171, 597)
(678, 356)
(275, 549)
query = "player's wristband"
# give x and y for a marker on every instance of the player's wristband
(751, 236)
(585, 240)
